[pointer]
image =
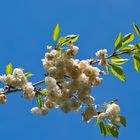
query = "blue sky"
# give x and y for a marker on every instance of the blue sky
(25, 30)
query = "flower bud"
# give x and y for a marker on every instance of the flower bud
(3, 99)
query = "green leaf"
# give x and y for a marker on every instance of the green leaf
(68, 39)
(56, 32)
(136, 28)
(118, 61)
(127, 38)
(102, 128)
(44, 92)
(28, 74)
(72, 38)
(117, 40)
(97, 122)
(137, 50)
(107, 70)
(138, 45)
(127, 48)
(118, 46)
(122, 120)
(112, 130)
(136, 60)
(116, 57)
(61, 41)
(9, 69)
(39, 100)
(117, 71)
(113, 101)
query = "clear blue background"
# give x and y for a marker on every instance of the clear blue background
(25, 30)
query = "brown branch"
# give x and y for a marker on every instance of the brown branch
(20, 89)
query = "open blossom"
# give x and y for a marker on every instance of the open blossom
(112, 109)
(16, 79)
(50, 81)
(40, 110)
(18, 72)
(101, 53)
(92, 71)
(102, 116)
(89, 113)
(28, 89)
(112, 112)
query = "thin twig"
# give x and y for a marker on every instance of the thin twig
(20, 89)
(93, 61)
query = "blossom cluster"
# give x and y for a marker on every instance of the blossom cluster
(69, 82)
(111, 113)
(17, 80)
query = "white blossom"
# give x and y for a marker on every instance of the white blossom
(102, 116)
(101, 53)
(40, 110)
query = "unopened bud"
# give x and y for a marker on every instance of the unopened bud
(3, 99)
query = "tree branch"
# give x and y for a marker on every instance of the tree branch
(92, 61)
(20, 89)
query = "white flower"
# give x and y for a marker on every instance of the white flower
(53, 94)
(50, 81)
(18, 72)
(89, 113)
(29, 96)
(52, 71)
(113, 113)
(28, 87)
(29, 92)
(44, 110)
(36, 110)
(83, 64)
(46, 63)
(101, 53)
(102, 116)
(92, 71)
(75, 71)
(74, 49)
(39, 111)
(113, 109)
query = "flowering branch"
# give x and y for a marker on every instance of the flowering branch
(69, 81)
(20, 89)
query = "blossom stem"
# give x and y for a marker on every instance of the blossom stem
(20, 89)
(93, 61)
